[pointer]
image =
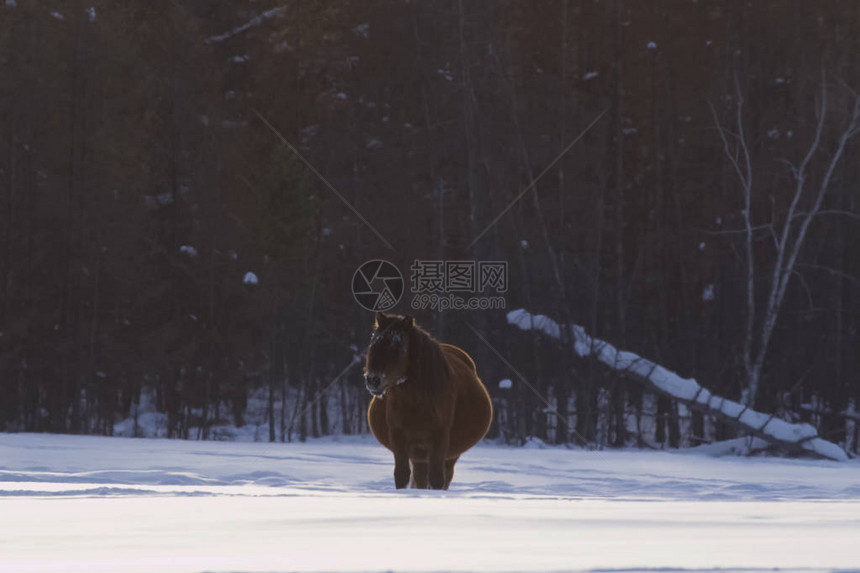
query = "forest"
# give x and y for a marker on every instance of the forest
(187, 188)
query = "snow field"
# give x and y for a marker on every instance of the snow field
(75, 503)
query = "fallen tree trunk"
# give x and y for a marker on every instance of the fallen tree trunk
(795, 438)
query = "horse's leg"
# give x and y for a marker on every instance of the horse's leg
(401, 459)
(449, 470)
(419, 475)
(438, 451)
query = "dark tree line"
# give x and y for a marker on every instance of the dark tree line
(160, 243)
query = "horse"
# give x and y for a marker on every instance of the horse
(428, 405)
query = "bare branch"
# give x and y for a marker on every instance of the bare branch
(779, 294)
(806, 288)
(842, 212)
(791, 166)
(779, 276)
(736, 231)
(830, 270)
(745, 177)
(787, 241)
(742, 142)
(726, 147)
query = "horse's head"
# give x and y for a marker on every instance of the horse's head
(388, 354)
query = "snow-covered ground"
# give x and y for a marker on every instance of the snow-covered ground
(72, 503)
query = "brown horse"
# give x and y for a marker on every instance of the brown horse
(428, 406)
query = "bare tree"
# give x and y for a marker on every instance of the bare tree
(789, 233)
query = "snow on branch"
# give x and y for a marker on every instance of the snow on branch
(794, 437)
(256, 21)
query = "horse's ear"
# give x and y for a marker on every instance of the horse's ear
(379, 319)
(408, 321)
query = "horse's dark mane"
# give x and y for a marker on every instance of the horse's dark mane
(427, 370)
